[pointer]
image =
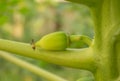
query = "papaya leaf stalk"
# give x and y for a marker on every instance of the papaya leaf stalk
(36, 70)
(75, 58)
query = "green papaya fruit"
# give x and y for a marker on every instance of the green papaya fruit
(79, 41)
(56, 41)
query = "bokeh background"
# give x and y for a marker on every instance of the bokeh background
(24, 20)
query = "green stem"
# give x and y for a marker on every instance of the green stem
(45, 74)
(117, 49)
(83, 59)
(106, 15)
(105, 28)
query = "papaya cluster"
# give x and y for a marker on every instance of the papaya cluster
(59, 41)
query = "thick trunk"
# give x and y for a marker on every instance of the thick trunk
(107, 22)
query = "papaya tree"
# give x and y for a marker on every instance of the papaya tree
(102, 57)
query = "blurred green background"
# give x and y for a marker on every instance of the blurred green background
(24, 20)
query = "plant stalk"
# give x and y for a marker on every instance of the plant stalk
(39, 71)
(83, 58)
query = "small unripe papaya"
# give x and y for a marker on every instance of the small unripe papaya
(79, 41)
(54, 41)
